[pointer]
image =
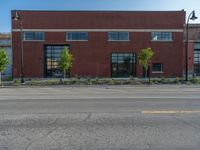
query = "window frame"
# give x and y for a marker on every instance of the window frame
(162, 68)
(162, 35)
(67, 36)
(51, 58)
(118, 39)
(118, 60)
(35, 40)
(196, 59)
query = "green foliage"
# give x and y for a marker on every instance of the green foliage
(66, 59)
(145, 56)
(151, 82)
(104, 81)
(8, 78)
(77, 76)
(16, 83)
(155, 81)
(195, 80)
(177, 80)
(52, 82)
(131, 77)
(3, 59)
(89, 81)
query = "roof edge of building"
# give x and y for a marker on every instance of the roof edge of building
(91, 11)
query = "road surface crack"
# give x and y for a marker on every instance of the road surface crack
(46, 135)
(187, 123)
(88, 117)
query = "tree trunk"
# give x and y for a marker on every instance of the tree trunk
(64, 74)
(0, 78)
(149, 74)
(145, 73)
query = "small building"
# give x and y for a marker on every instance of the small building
(104, 43)
(5, 43)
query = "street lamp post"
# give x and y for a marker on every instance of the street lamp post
(17, 17)
(190, 17)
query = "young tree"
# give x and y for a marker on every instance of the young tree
(144, 57)
(65, 62)
(3, 61)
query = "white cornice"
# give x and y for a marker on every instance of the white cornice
(101, 30)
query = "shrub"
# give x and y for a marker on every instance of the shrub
(151, 82)
(52, 82)
(162, 79)
(8, 78)
(177, 80)
(195, 80)
(16, 82)
(132, 77)
(111, 81)
(154, 81)
(77, 76)
(97, 80)
(117, 82)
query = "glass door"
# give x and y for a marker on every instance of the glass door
(122, 64)
(52, 56)
(197, 62)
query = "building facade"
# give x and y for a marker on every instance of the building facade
(5, 43)
(104, 43)
(194, 50)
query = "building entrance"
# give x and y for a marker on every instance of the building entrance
(52, 56)
(123, 65)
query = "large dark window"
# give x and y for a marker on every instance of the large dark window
(33, 36)
(118, 36)
(123, 64)
(197, 59)
(52, 56)
(161, 36)
(157, 67)
(77, 36)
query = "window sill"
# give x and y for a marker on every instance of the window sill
(33, 40)
(76, 40)
(161, 40)
(157, 72)
(118, 40)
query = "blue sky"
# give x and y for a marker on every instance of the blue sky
(7, 5)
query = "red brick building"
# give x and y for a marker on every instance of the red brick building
(104, 43)
(194, 50)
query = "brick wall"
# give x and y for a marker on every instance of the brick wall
(92, 57)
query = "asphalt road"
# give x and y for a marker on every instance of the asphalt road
(100, 118)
